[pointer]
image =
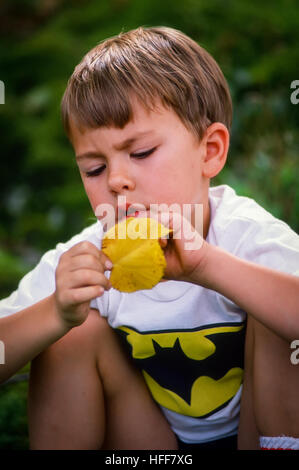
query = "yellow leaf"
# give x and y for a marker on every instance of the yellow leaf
(137, 257)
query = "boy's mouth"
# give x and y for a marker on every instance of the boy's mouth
(129, 210)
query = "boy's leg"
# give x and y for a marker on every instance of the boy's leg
(275, 385)
(248, 437)
(85, 394)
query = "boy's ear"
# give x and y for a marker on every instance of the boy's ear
(216, 148)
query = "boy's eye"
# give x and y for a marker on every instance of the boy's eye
(143, 154)
(95, 172)
(100, 169)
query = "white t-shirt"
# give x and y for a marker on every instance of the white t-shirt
(187, 340)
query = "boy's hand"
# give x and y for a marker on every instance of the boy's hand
(79, 279)
(185, 250)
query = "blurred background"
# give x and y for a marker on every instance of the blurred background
(41, 198)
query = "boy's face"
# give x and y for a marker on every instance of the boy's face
(154, 159)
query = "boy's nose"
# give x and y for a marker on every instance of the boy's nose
(120, 181)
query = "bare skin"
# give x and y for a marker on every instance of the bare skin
(85, 394)
(275, 385)
(269, 404)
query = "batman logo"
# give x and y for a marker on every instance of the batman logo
(193, 372)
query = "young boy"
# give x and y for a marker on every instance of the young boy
(148, 114)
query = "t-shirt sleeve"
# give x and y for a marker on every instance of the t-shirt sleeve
(40, 282)
(244, 228)
(273, 244)
(34, 286)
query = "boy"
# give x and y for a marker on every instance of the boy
(148, 114)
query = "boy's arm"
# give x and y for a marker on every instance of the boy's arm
(79, 278)
(26, 333)
(270, 296)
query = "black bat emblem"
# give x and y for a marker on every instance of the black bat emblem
(173, 370)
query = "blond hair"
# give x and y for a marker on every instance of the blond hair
(150, 63)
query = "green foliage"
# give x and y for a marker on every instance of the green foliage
(42, 198)
(13, 417)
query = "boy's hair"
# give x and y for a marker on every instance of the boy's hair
(148, 63)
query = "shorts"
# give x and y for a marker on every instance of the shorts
(229, 443)
(279, 443)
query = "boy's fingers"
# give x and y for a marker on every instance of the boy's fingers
(85, 261)
(84, 294)
(88, 277)
(163, 242)
(88, 249)
(105, 261)
(171, 220)
(83, 248)
(89, 261)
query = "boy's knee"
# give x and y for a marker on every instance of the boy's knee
(80, 343)
(92, 346)
(87, 336)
